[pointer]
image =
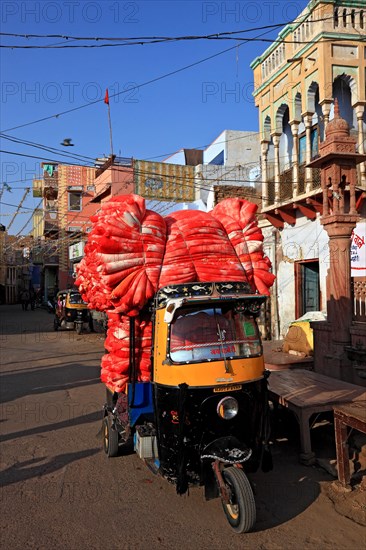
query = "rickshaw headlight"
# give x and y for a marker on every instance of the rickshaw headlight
(227, 408)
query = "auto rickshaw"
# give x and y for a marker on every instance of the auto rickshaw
(71, 312)
(204, 417)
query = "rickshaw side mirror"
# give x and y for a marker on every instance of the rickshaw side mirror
(170, 309)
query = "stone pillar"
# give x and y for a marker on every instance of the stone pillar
(326, 105)
(359, 110)
(295, 156)
(338, 161)
(308, 121)
(264, 159)
(276, 145)
(340, 304)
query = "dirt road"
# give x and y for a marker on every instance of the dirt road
(58, 490)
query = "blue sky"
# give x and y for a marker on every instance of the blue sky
(188, 109)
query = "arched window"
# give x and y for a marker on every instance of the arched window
(267, 129)
(345, 90)
(286, 142)
(310, 99)
(336, 22)
(297, 107)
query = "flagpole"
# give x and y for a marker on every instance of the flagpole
(106, 100)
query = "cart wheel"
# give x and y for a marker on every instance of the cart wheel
(55, 324)
(240, 511)
(110, 438)
(79, 328)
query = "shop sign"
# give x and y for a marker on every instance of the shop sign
(76, 250)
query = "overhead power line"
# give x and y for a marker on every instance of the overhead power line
(52, 161)
(119, 45)
(135, 38)
(18, 209)
(74, 156)
(142, 40)
(151, 81)
(15, 206)
(245, 40)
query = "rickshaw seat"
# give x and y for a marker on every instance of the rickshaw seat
(140, 400)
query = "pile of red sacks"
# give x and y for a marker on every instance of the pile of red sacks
(132, 252)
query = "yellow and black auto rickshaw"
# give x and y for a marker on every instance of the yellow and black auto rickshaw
(71, 312)
(203, 419)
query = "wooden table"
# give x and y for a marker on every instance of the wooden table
(306, 393)
(352, 415)
(275, 359)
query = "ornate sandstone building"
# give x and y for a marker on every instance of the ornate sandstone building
(318, 58)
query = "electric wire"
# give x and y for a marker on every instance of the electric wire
(143, 40)
(151, 81)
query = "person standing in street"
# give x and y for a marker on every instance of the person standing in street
(24, 297)
(32, 297)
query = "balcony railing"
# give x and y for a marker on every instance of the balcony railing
(301, 182)
(286, 187)
(359, 299)
(315, 178)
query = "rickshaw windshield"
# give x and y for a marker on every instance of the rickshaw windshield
(75, 298)
(213, 333)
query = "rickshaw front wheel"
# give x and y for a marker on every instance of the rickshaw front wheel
(110, 438)
(240, 510)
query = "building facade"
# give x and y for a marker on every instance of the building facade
(318, 58)
(113, 176)
(232, 160)
(67, 192)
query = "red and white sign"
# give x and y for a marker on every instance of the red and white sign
(358, 250)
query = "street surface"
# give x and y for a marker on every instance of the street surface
(59, 491)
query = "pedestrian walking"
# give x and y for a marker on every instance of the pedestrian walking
(32, 297)
(24, 298)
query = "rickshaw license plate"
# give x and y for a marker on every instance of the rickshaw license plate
(232, 387)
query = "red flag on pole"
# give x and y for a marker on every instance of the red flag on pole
(106, 97)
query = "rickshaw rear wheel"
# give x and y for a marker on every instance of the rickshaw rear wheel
(55, 324)
(240, 511)
(110, 438)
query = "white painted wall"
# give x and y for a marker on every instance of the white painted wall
(176, 158)
(165, 208)
(215, 148)
(306, 240)
(242, 147)
(239, 148)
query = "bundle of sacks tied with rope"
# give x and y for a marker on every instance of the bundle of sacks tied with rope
(132, 252)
